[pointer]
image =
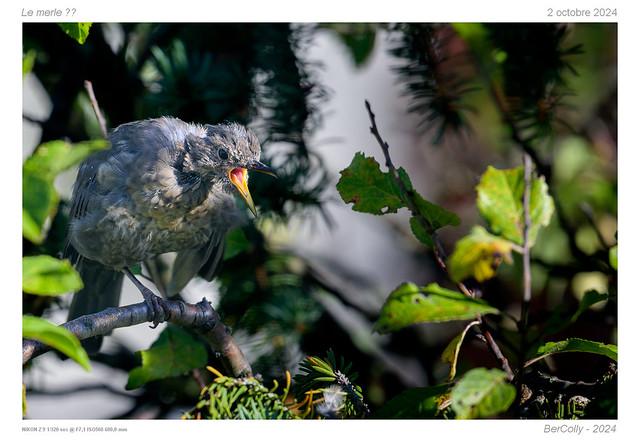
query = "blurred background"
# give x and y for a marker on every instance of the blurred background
(310, 274)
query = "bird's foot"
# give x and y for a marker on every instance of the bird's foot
(156, 305)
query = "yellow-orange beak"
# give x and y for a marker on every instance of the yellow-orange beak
(239, 178)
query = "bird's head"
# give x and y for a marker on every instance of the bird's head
(226, 154)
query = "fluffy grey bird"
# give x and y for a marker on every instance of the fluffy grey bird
(163, 186)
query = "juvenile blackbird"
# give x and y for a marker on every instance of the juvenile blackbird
(163, 186)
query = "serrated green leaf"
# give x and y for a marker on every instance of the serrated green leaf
(500, 203)
(575, 345)
(373, 191)
(48, 276)
(235, 243)
(56, 337)
(590, 298)
(613, 257)
(451, 352)
(478, 255)
(414, 403)
(410, 304)
(482, 393)
(368, 188)
(174, 353)
(78, 31)
(436, 216)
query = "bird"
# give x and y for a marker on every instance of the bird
(164, 185)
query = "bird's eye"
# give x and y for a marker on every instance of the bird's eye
(223, 154)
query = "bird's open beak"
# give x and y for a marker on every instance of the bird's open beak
(239, 178)
(262, 168)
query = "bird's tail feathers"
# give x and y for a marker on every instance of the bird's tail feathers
(102, 287)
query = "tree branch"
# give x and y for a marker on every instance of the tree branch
(201, 317)
(94, 103)
(438, 248)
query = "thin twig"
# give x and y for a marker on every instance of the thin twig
(438, 248)
(588, 213)
(201, 317)
(94, 103)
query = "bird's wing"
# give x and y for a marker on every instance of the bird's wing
(84, 191)
(203, 260)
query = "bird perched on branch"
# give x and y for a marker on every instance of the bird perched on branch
(163, 186)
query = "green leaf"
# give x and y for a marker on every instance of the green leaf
(359, 38)
(53, 157)
(419, 232)
(39, 197)
(368, 188)
(413, 403)
(24, 400)
(436, 216)
(235, 243)
(575, 344)
(39, 203)
(482, 393)
(478, 255)
(450, 354)
(174, 353)
(613, 257)
(56, 337)
(373, 191)
(78, 31)
(500, 203)
(591, 297)
(409, 304)
(28, 60)
(46, 275)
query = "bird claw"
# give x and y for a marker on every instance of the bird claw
(157, 307)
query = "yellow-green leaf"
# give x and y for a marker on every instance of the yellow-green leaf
(500, 203)
(613, 257)
(56, 337)
(24, 400)
(451, 352)
(174, 353)
(46, 275)
(28, 60)
(410, 304)
(78, 31)
(482, 393)
(478, 255)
